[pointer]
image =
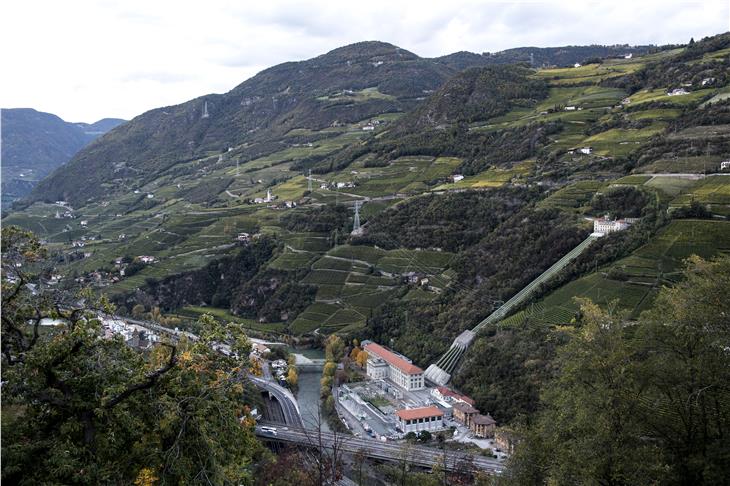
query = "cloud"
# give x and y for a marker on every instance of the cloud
(88, 59)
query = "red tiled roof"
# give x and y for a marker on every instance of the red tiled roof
(416, 413)
(392, 359)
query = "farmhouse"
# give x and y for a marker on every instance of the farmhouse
(418, 419)
(457, 177)
(383, 363)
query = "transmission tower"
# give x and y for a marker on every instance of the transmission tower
(309, 181)
(356, 223)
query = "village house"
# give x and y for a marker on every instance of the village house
(464, 413)
(146, 259)
(84, 223)
(483, 426)
(383, 363)
(457, 177)
(585, 150)
(725, 165)
(243, 237)
(418, 419)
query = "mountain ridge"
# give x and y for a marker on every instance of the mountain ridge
(36, 142)
(345, 85)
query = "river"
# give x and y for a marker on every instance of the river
(308, 394)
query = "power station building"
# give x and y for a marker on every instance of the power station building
(384, 363)
(418, 419)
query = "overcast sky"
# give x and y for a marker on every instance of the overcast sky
(84, 60)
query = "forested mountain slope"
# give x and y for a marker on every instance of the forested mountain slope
(36, 143)
(465, 196)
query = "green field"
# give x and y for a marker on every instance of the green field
(493, 177)
(621, 141)
(225, 316)
(574, 196)
(697, 165)
(712, 192)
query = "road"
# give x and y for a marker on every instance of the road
(288, 403)
(385, 451)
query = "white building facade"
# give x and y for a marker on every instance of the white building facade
(418, 419)
(383, 363)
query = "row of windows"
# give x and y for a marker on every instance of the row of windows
(422, 420)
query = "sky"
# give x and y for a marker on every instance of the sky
(84, 60)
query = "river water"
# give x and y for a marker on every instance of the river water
(308, 394)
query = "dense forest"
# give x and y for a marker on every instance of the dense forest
(241, 283)
(488, 273)
(451, 222)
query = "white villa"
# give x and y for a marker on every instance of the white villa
(602, 226)
(383, 363)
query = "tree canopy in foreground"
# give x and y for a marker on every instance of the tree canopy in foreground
(80, 407)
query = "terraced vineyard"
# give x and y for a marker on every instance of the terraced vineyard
(655, 264)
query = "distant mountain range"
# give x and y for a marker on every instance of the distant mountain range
(35, 143)
(343, 86)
